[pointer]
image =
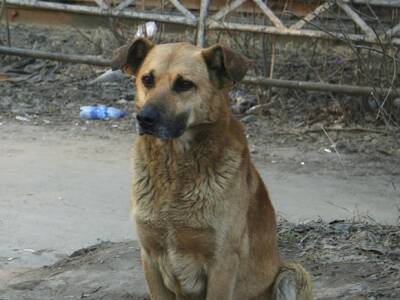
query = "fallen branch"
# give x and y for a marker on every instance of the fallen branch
(289, 84)
(349, 129)
(318, 86)
(327, 129)
(70, 58)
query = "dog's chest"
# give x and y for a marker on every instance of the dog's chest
(187, 195)
(176, 208)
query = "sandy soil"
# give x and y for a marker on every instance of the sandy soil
(68, 188)
(113, 271)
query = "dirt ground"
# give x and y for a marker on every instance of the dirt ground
(65, 185)
(65, 188)
(362, 270)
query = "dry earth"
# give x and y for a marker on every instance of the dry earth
(347, 260)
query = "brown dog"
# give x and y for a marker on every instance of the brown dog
(205, 222)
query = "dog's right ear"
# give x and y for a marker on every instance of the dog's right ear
(130, 57)
(226, 67)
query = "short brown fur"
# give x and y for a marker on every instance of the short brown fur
(204, 218)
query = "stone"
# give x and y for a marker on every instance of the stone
(5, 102)
(121, 101)
(367, 138)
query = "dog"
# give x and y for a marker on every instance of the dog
(205, 223)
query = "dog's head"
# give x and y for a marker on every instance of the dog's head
(179, 85)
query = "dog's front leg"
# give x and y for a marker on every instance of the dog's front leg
(157, 289)
(222, 278)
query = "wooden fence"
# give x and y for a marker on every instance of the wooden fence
(292, 18)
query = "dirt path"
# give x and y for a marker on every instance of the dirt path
(63, 189)
(346, 260)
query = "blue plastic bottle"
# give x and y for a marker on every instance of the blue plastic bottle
(100, 112)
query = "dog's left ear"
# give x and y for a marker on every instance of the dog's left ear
(130, 57)
(225, 66)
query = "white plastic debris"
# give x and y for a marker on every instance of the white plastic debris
(23, 119)
(148, 29)
(109, 76)
(121, 101)
(328, 150)
(29, 250)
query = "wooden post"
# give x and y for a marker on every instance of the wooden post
(202, 24)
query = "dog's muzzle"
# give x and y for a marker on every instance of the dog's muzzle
(148, 117)
(150, 120)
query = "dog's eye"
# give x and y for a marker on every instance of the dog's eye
(182, 85)
(148, 81)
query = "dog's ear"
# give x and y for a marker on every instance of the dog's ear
(224, 66)
(130, 57)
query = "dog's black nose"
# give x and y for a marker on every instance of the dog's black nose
(148, 116)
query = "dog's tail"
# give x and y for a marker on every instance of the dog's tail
(292, 283)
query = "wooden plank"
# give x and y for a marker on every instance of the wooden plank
(102, 4)
(136, 16)
(383, 3)
(291, 32)
(270, 14)
(124, 4)
(229, 7)
(356, 19)
(87, 10)
(183, 10)
(392, 31)
(299, 8)
(307, 5)
(311, 16)
(54, 18)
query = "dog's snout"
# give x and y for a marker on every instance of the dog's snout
(148, 116)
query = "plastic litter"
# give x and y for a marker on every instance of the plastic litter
(101, 112)
(148, 29)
